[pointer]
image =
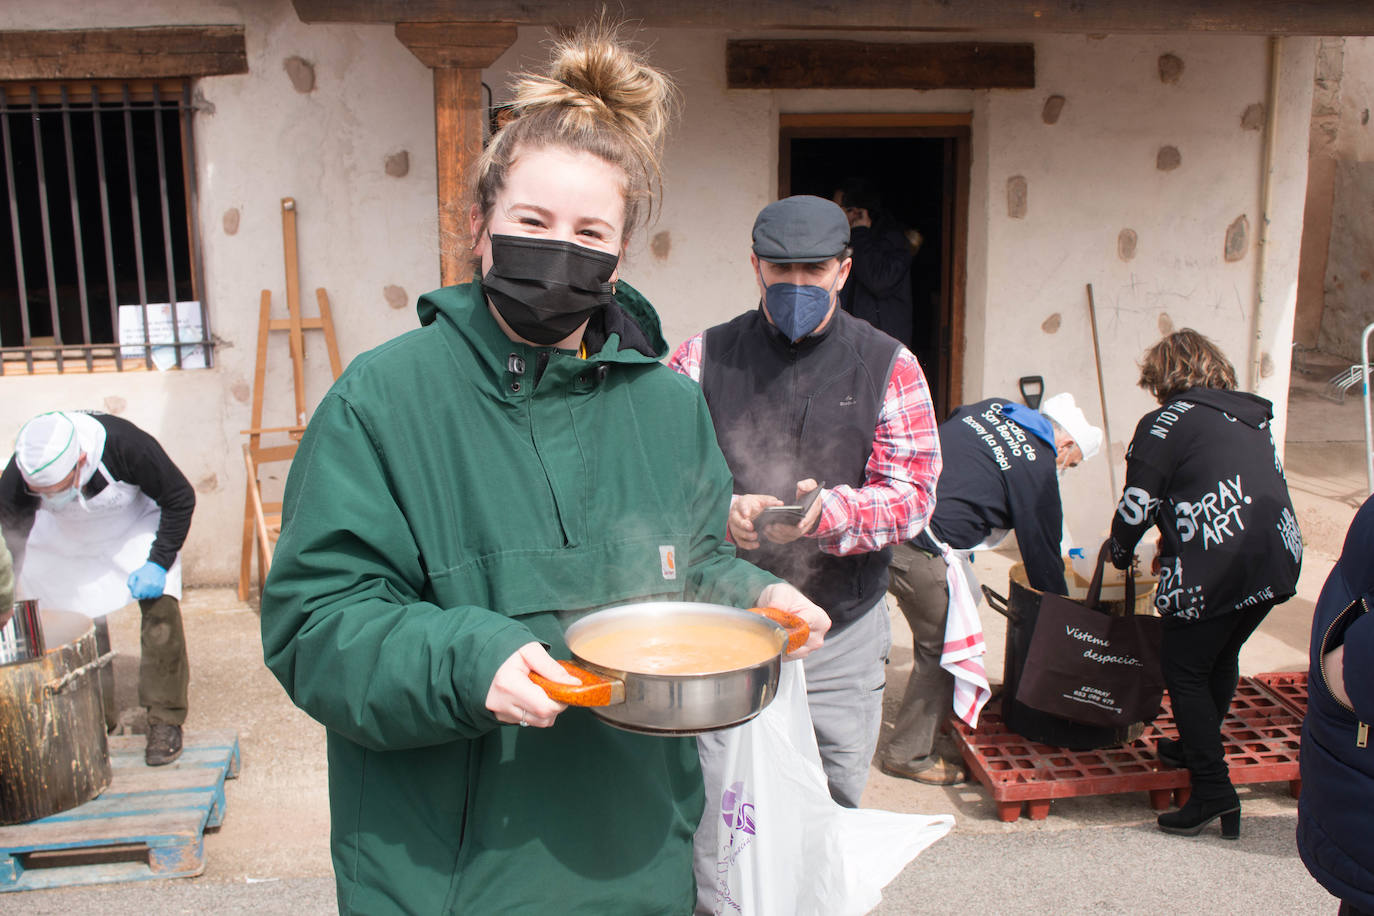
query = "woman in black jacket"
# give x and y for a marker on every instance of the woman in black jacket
(1203, 469)
(1337, 759)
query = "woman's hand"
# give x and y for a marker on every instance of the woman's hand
(1333, 663)
(743, 510)
(517, 700)
(784, 597)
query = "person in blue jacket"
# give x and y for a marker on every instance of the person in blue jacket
(1336, 759)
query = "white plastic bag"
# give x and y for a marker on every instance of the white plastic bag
(772, 842)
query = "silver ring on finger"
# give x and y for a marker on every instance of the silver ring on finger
(523, 723)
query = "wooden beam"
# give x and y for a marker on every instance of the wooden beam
(877, 120)
(457, 52)
(152, 53)
(803, 64)
(1260, 17)
(458, 124)
(456, 44)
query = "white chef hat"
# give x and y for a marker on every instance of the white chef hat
(1062, 410)
(47, 449)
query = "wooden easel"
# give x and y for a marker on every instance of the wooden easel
(262, 520)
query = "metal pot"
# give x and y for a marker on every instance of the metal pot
(676, 704)
(21, 633)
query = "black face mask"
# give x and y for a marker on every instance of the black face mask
(545, 289)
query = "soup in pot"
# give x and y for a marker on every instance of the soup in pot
(678, 648)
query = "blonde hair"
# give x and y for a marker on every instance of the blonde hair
(597, 96)
(1185, 359)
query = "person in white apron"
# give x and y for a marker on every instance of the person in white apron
(1001, 473)
(95, 514)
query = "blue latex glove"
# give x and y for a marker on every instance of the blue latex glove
(147, 581)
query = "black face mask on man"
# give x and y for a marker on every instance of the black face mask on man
(544, 289)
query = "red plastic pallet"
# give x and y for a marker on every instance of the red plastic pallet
(1260, 734)
(1290, 687)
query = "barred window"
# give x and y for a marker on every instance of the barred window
(97, 207)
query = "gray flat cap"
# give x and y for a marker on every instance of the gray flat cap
(801, 229)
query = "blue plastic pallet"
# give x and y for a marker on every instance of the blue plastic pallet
(164, 809)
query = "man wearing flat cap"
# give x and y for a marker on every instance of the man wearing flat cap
(95, 513)
(808, 401)
(1001, 474)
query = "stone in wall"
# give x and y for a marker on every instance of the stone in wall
(1125, 244)
(661, 244)
(1237, 238)
(395, 296)
(1016, 197)
(1253, 117)
(115, 404)
(1054, 106)
(398, 164)
(1051, 324)
(1170, 68)
(301, 73)
(1349, 292)
(1166, 324)
(1168, 158)
(207, 484)
(231, 221)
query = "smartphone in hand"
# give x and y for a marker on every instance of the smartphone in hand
(787, 515)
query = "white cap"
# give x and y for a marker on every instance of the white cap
(47, 449)
(1062, 410)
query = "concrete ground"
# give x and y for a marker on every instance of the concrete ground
(1090, 855)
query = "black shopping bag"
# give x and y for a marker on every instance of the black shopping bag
(1089, 666)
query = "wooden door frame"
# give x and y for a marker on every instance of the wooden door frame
(956, 126)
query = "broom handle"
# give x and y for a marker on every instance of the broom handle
(1102, 394)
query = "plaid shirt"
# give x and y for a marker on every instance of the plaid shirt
(898, 494)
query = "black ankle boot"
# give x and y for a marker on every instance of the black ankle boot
(1197, 814)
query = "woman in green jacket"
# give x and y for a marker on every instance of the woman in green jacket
(466, 489)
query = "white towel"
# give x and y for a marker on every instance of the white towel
(964, 646)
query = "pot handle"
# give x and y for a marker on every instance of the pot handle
(797, 630)
(1000, 604)
(594, 689)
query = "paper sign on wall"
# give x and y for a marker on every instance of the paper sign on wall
(190, 326)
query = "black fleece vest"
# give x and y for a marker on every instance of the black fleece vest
(784, 412)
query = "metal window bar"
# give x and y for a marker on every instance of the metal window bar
(35, 120)
(105, 220)
(102, 100)
(18, 240)
(191, 192)
(137, 226)
(76, 227)
(166, 230)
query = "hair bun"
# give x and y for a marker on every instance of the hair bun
(597, 95)
(592, 71)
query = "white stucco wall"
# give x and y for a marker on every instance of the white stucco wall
(1089, 176)
(1092, 174)
(358, 230)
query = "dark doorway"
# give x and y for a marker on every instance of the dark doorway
(917, 173)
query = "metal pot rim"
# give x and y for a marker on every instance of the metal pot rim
(647, 610)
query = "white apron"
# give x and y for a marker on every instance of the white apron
(79, 555)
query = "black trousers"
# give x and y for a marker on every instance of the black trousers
(1201, 669)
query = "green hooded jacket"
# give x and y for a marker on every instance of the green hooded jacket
(445, 508)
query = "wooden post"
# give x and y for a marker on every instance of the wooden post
(457, 52)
